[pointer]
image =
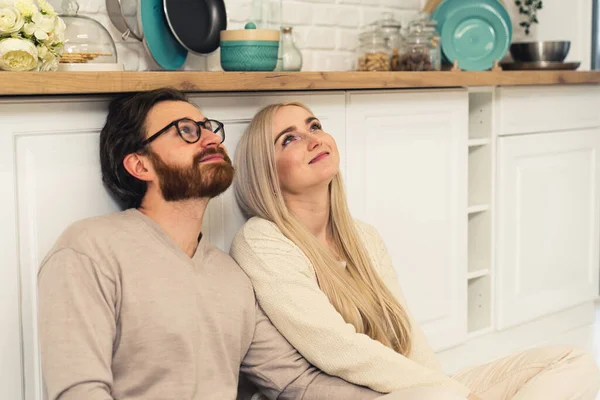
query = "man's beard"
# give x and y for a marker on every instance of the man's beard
(196, 181)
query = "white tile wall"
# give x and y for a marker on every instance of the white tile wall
(325, 30)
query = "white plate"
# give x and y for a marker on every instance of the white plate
(90, 67)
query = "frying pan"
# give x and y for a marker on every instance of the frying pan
(196, 24)
(123, 15)
(159, 41)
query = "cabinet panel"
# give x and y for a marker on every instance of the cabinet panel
(407, 176)
(548, 225)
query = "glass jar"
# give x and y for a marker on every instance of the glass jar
(291, 56)
(86, 40)
(423, 51)
(373, 52)
(391, 30)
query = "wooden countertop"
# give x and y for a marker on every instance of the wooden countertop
(56, 83)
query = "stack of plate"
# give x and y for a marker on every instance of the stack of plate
(170, 29)
(475, 33)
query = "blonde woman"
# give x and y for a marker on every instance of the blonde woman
(327, 281)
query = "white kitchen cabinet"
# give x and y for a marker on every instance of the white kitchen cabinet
(407, 175)
(548, 223)
(530, 109)
(50, 177)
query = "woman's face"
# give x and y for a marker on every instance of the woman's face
(305, 156)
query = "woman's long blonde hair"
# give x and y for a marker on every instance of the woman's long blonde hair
(357, 292)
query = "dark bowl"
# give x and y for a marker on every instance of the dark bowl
(540, 51)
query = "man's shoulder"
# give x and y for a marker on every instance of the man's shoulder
(93, 234)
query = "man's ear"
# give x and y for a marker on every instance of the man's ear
(138, 166)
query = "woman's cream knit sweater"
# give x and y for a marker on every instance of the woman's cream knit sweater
(286, 287)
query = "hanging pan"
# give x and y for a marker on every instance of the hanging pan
(124, 15)
(196, 24)
(158, 39)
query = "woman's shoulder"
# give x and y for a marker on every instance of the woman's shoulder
(259, 233)
(368, 233)
(259, 241)
(257, 228)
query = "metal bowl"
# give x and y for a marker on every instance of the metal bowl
(540, 51)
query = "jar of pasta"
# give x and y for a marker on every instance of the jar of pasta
(373, 52)
(391, 30)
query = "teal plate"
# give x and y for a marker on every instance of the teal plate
(440, 12)
(476, 34)
(168, 53)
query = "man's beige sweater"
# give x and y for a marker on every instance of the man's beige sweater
(287, 289)
(125, 314)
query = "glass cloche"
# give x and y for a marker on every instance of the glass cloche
(86, 41)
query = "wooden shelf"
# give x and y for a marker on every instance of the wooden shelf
(477, 208)
(478, 274)
(478, 142)
(51, 83)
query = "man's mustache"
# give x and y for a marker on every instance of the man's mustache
(210, 151)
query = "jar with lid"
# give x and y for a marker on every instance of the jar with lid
(291, 56)
(373, 52)
(423, 51)
(87, 42)
(391, 29)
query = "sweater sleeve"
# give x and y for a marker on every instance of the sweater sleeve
(277, 368)
(421, 349)
(77, 327)
(289, 294)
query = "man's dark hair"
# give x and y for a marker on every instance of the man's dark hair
(123, 134)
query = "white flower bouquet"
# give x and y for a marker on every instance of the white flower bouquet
(31, 36)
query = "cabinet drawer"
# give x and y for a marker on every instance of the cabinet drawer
(528, 109)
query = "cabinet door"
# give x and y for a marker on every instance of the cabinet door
(407, 176)
(51, 177)
(547, 241)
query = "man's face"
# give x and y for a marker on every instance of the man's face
(186, 170)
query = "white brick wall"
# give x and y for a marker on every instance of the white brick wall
(325, 30)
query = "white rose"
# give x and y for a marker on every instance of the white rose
(42, 51)
(10, 19)
(50, 64)
(46, 7)
(59, 26)
(40, 26)
(18, 55)
(58, 33)
(26, 8)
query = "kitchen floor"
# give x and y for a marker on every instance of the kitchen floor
(586, 337)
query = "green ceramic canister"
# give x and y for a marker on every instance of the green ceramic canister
(249, 49)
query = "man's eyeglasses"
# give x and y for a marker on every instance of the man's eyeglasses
(190, 130)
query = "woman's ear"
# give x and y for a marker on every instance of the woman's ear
(138, 166)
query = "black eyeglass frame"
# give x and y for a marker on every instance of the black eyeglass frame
(201, 125)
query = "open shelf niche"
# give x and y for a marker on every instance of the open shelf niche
(481, 165)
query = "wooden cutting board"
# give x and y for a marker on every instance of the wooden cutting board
(431, 5)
